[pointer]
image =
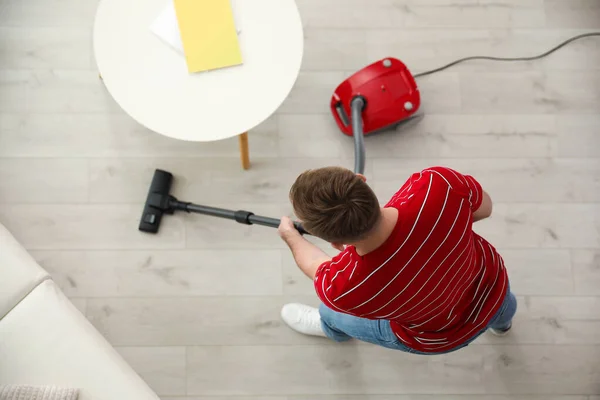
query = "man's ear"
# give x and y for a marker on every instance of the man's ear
(361, 176)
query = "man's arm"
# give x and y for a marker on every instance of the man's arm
(469, 188)
(308, 256)
(485, 209)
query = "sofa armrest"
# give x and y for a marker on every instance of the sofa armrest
(45, 340)
(19, 272)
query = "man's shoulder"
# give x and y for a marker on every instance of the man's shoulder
(429, 183)
(344, 257)
(411, 193)
(336, 277)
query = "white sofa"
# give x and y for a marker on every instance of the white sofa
(45, 340)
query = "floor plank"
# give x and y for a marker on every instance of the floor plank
(115, 135)
(578, 136)
(553, 92)
(194, 321)
(389, 397)
(236, 321)
(432, 136)
(200, 180)
(48, 13)
(425, 49)
(572, 13)
(334, 49)
(546, 225)
(342, 14)
(52, 180)
(565, 308)
(560, 180)
(586, 271)
(438, 397)
(441, 93)
(54, 91)
(482, 14)
(86, 227)
(351, 369)
(539, 272)
(34, 48)
(236, 398)
(157, 274)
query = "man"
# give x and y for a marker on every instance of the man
(411, 275)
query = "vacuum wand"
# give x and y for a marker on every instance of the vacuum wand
(160, 202)
(240, 216)
(357, 105)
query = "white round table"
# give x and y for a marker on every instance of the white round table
(150, 80)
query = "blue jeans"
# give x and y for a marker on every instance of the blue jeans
(342, 327)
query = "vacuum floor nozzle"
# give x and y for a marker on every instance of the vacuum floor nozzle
(157, 202)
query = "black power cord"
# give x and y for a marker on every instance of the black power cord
(552, 50)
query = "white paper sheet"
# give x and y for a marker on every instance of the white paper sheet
(165, 26)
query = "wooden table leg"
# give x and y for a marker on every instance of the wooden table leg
(244, 151)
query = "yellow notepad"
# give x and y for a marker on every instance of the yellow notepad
(208, 34)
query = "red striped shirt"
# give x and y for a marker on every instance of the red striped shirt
(437, 281)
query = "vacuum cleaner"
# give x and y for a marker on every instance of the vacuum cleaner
(378, 97)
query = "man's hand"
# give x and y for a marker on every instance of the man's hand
(287, 230)
(308, 256)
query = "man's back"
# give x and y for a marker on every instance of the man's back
(437, 281)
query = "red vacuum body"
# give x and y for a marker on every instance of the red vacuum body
(389, 92)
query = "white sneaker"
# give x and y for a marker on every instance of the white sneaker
(303, 319)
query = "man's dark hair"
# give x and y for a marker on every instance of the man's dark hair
(335, 204)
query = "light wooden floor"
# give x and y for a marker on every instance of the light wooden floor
(195, 310)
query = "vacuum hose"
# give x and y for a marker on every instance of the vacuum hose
(357, 105)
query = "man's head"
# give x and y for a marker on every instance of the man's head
(335, 204)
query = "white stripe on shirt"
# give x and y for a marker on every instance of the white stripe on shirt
(437, 342)
(474, 189)
(353, 269)
(447, 325)
(493, 256)
(453, 173)
(441, 176)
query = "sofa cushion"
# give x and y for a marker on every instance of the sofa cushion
(19, 273)
(45, 340)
